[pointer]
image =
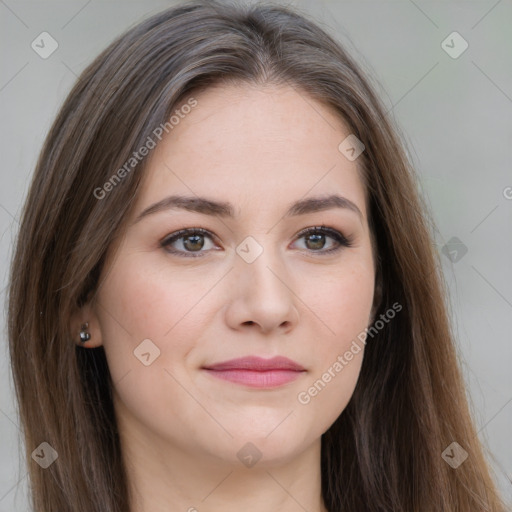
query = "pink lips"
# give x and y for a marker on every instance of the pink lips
(256, 371)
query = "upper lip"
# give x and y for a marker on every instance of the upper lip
(257, 364)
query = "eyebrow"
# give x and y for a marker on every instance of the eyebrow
(224, 209)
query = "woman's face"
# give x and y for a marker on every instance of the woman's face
(252, 285)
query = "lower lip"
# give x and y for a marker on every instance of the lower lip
(257, 379)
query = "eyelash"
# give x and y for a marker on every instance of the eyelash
(342, 240)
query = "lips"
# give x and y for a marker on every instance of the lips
(257, 364)
(256, 372)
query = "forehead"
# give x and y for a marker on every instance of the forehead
(248, 144)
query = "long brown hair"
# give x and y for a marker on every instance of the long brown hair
(383, 453)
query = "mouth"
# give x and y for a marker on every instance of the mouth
(257, 372)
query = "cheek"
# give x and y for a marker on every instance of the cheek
(342, 304)
(148, 317)
(147, 299)
(343, 309)
(137, 305)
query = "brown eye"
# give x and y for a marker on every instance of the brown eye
(316, 239)
(193, 242)
(190, 240)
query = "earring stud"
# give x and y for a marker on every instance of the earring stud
(84, 333)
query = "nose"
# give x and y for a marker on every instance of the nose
(263, 296)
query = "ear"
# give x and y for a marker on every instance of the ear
(86, 314)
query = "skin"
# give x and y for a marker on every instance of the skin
(260, 148)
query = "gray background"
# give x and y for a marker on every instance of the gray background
(454, 115)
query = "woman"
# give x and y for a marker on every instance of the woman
(224, 292)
